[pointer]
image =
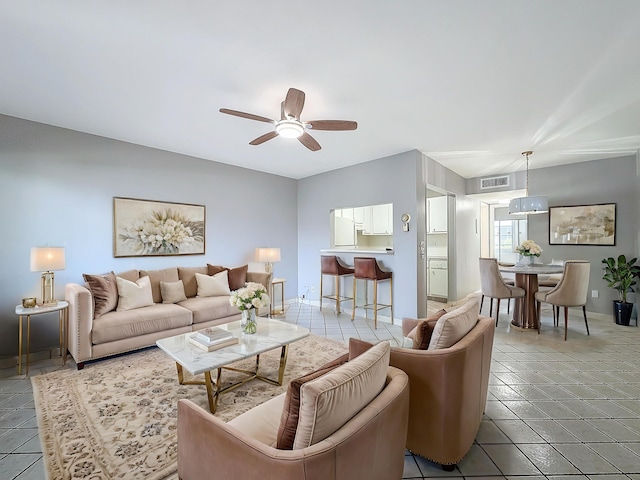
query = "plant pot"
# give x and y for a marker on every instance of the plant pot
(622, 312)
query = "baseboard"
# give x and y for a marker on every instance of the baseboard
(12, 361)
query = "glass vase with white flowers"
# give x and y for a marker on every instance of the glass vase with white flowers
(249, 298)
(529, 250)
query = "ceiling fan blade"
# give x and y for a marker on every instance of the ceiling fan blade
(293, 103)
(250, 116)
(332, 125)
(309, 142)
(263, 138)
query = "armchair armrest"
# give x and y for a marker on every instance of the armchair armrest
(80, 322)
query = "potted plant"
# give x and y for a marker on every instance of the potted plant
(621, 275)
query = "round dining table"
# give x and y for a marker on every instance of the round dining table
(524, 312)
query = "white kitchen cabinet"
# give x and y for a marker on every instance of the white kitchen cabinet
(381, 222)
(437, 214)
(438, 283)
(359, 215)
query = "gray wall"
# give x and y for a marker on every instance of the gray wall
(393, 179)
(57, 188)
(602, 181)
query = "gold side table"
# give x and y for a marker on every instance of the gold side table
(63, 324)
(274, 282)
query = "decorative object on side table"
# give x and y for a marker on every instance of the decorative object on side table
(621, 275)
(46, 260)
(529, 251)
(252, 296)
(268, 256)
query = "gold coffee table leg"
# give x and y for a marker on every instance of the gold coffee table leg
(283, 363)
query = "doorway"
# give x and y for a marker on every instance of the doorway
(439, 208)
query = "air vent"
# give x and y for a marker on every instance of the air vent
(494, 182)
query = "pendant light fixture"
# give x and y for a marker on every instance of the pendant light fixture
(528, 205)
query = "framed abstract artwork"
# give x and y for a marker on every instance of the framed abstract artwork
(583, 225)
(144, 228)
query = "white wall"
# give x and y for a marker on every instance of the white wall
(57, 188)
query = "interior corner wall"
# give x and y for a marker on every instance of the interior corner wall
(57, 188)
(613, 180)
(391, 179)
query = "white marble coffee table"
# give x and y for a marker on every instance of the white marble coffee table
(271, 334)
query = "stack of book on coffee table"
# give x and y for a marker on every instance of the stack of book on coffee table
(212, 338)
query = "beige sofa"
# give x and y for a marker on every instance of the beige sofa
(365, 445)
(114, 332)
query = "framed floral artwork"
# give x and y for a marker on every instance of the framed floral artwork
(583, 225)
(144, 228)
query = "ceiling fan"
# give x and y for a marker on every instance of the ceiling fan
(290, 125)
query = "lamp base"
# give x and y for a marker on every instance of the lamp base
(49, 303)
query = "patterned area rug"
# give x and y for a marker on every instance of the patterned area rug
(117, 418)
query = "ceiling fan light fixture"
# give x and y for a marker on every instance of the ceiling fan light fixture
(289, 128)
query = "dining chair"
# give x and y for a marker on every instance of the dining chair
(571, 291)
(494, 286)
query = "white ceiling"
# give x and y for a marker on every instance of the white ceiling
(471, 83)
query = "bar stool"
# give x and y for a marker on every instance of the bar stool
(367, 268)
(331, 265)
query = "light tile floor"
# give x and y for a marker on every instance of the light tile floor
(559, 410)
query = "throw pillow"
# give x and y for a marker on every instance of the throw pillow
(421, 333)
(291, 408)
(172, 292)
(215, 286)
(330, 401)
(455, 325)
(156, 276)
(237, 276)
(134, 294)
(104, 291)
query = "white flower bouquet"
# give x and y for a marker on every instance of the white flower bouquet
(529, 248)
(252, 295)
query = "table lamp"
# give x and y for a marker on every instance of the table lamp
(47, 259)
(268, 255)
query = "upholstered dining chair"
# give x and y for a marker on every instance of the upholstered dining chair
(494, 286)
(571, 291)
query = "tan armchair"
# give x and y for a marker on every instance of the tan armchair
(370, 446)
(494, 286)
(571, 291)
(448, 392)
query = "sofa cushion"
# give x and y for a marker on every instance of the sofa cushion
(262, 421)
(213, 286)
(188, 277)
(237, 276)
(133, 294)
(131, 275)
(157, 276)
(291, 407)
(115, 326)
(421, 333)
(330, 401)
(455, 325)
(172, 292)
(104, 290)
(205, 309)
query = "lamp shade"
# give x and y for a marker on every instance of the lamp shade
(529, 205)
(45, 259)
(267, 255)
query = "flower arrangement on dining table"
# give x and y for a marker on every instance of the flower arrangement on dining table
(529, 248)
(248, 298)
